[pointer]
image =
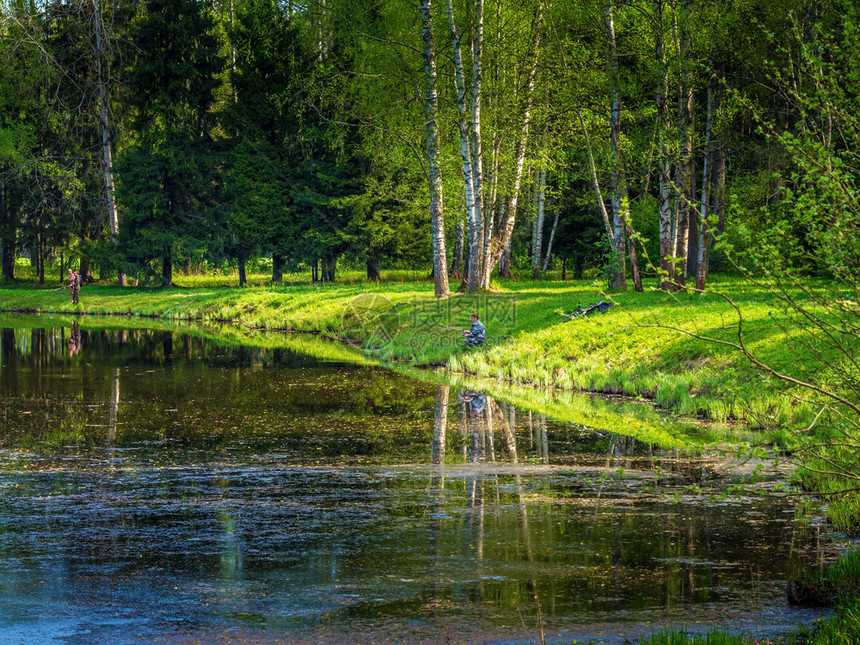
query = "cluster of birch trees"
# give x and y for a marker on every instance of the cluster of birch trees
(648, 102)
(136, 135)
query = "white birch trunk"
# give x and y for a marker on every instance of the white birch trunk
(537, 246)
(620, 208)
(431, 126)
(549, 244)
(702, 259)
(472, 213)
(664, 163)
(686, 180)
(476, 244)
(534, 214)
(502, 237)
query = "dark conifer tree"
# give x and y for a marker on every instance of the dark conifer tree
(167, 177)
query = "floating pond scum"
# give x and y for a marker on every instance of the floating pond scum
(162, 485)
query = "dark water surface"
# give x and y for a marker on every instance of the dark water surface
(157, 487)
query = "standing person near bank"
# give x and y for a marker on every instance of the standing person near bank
(477, 334)
(74, 285)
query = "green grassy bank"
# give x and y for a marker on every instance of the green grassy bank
(644, 347)
(628, 350)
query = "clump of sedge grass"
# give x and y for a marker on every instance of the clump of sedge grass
(680, 637)
(842, 629)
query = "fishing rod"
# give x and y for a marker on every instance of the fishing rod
(457, 329)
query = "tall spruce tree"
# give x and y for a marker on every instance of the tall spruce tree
(272, 66)
(167, 183)
(17, 137)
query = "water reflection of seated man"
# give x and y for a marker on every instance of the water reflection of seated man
(478, 401)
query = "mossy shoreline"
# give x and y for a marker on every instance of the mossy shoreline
(634, 349)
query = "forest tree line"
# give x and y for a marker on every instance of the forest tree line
(460, 136)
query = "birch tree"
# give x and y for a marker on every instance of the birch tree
(664, 162)
(549, 244)
(466, 130)
(476, 249)
(431, 125)
(707, 176)
(685, 180)
(620, 203)
(496, 240)
(537, 229)
(490, 217)
(103, 75)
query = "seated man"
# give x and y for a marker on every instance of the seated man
(477, 335)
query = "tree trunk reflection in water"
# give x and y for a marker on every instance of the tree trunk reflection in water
(112, 415)
(479, 418)
(524, 527)
(531, 431)
(440, 425)
(437, 478)
(8, 357)
(544, 440)
(507, 430)
(538, 437)
(38, 343)
(488, 430)
(463, 415)
(476, 439)
(476, 512)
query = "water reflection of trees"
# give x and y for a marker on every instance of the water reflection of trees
(122, 387)
(484, 424)
(513, 540)
(495, 431)
(486, 429)
(665, 553)
(53, 345)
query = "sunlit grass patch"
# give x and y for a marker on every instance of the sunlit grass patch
(817, 473)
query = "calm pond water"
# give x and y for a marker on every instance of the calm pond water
(161, 487)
